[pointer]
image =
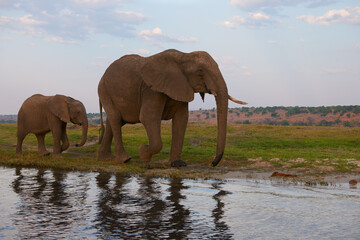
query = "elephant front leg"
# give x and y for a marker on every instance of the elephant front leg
(64, 138)
(56, 132)
(179, 123)
(153, 130)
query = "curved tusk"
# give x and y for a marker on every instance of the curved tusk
(237, 101)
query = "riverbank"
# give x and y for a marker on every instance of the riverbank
(322, 154)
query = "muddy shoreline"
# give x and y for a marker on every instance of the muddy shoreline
(328, 178)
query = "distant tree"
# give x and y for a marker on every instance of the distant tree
(245, 109)
(246, 122)
(299, 124)
(275, 114)
(347, 124)
(326, 123)
(284, 123)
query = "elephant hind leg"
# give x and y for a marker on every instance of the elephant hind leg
(41, 144)
(104, 153)
(114, 131)
(20, 139)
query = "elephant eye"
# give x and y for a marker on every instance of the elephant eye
(201, 72)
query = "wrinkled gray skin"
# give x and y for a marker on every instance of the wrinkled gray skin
(41, 114)
(149, 89)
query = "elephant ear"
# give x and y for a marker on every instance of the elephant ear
(58, 106)
(164, 75)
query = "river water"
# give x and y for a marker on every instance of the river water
(47, 204)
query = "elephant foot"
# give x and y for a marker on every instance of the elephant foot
(124, 161)
(44, 153)
(144, 153)
(106, 157)
(148, 166)
(178, 163)
(64, 147)
(123, 157)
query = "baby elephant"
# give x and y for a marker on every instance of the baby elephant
(41, 114)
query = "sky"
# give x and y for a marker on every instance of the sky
(270, 52)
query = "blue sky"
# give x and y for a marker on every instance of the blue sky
(271, 52)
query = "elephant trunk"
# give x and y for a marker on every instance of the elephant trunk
(222, 110)
(84, 125)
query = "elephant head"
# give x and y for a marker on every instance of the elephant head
(180, 75)
(68, 109)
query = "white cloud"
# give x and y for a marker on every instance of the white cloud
(263, 4)
(357, 46)
(253, 20)
(273, 42)
(26, 20)
(158, 35)
(59, 40)
(142, 52)
(335, 70)
(72, 20)
(348, 15)
(129, 16)
(251, 3)
(228, 24)
(6, 38)
(247, 73)
(244, 67)
(259, 16)
(97, 64)
(25, 25)
(99, 3)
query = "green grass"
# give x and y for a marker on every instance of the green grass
(248, 147)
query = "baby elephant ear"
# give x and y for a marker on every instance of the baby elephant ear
(164, 75)
(58, 106)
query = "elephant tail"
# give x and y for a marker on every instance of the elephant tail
(102, 128)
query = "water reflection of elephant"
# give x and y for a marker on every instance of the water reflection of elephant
(149, 212)
(55, 204)
(45, 210)
(222, 230)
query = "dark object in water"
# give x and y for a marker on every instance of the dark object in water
(353, 182)
(277, 174)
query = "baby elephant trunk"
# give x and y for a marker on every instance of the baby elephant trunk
(84, 125)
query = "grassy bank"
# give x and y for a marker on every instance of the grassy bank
(266, 148)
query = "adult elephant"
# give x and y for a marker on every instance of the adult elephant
(41, 114)
(137, 89)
